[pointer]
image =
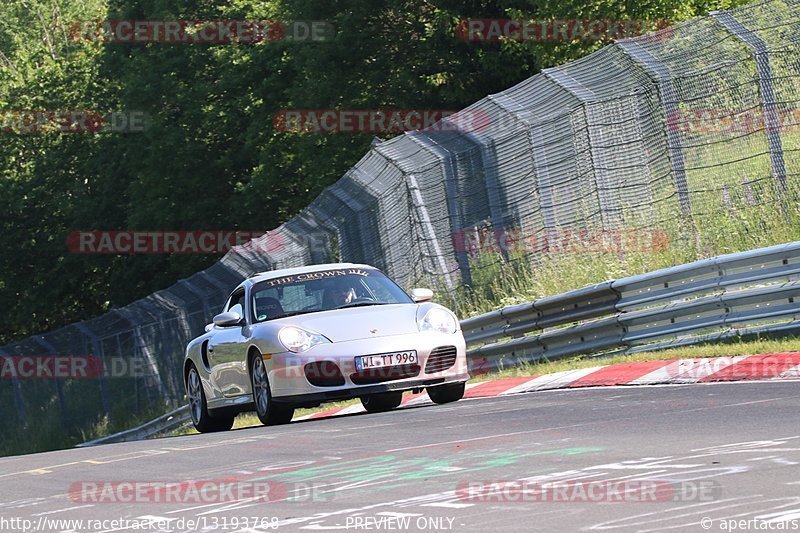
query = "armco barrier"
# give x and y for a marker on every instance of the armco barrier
(163, 423)
(746, 293)
(742, 293)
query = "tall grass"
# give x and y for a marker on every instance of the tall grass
(714, 229)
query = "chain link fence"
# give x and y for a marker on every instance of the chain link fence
(667, 130)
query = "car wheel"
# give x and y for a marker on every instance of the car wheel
(201, 418)
(379, 403)
(446, 393)
(269, 413)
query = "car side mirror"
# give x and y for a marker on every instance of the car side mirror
(421, 295)
(224, 320)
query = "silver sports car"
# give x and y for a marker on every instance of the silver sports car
(302, 336)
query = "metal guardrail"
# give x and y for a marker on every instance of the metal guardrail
(168, 422)
(744, 293)
(736, 294)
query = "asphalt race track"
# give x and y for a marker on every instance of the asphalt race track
(683, 458)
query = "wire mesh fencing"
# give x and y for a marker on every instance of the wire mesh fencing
(668, 131)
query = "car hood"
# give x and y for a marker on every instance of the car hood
(361, 322)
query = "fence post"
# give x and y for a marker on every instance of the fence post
(451, 192)
(669, 100)
(608, 207)
(491, 182)
(355, 250)
(225, 290)
(434, 249)
(546, 203)
(493, 189)
(200, 295)
(316, 237)
(62, 404)
(497, 201)
(145, 352)
(98, 349)
(766, 89)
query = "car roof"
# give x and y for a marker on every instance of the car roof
(271, 274)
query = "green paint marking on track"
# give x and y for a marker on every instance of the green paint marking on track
(392, 467)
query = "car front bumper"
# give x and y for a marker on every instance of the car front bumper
(288, 380)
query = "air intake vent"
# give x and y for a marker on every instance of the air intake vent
(441, 359)
(324, 374)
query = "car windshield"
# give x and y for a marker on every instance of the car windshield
(323, 290)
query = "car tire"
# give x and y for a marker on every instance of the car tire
(446, 393)
(380, 403)
(270, 413)
(202, 419)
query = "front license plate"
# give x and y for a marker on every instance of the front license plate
(366, 362)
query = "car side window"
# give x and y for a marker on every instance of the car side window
(236, 303)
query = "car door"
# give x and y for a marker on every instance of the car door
(227, 351)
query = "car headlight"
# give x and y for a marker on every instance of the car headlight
(297, 339)
(438, 319)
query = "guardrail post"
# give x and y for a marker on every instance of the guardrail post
(769, 107)
(98, 349)
(451, 192)
(610, 213)
(19, 404)
(669, 100)
(62, 404)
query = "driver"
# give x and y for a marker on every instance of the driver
(338, 295)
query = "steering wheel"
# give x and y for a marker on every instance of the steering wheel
(360, 299)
